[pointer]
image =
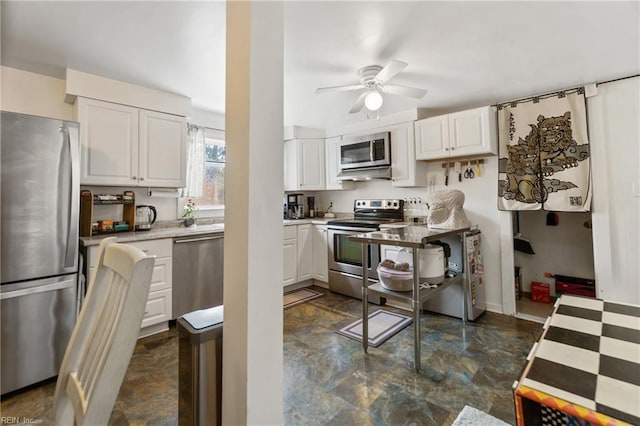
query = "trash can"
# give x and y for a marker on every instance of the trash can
(200, 367)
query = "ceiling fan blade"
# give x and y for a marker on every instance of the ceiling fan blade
(357, 106)
(390, 70)
(339, 88)
(411, 92)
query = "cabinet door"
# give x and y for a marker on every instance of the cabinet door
(471, 132)
(432, 138)
(311, 164)
(405, 171)
(289, 255)
(109, 143)
(320, 253)
(290, 165)
(305, 253)
(332, 165)
(158, 308)
(162, 150)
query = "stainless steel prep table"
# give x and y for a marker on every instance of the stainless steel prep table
(413, 237)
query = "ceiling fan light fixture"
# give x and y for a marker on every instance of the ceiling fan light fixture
(373, 100)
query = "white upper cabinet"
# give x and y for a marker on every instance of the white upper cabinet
(126, 146)
(405, 171)
(332, 160)
(304, 165)
(471, 132)
(109, 137)
(162, 149)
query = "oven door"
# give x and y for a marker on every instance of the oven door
(345, 255)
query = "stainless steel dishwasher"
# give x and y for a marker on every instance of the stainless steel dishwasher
(197, 273)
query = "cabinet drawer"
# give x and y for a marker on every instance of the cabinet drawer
(290, 232)
(159, 248)
(161, 276)
(158, 308)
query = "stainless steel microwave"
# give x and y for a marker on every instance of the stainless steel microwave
(365, 151)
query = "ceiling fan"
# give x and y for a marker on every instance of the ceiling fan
(373, 80)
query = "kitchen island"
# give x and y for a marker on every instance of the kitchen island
(415, 238)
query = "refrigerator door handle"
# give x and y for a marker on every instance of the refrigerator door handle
(37, 289)
(74, 198)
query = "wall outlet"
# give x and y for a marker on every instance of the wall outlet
(453, 266)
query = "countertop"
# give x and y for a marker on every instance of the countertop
(314, 221)
(181, 231)
(156, 234)
(414, 236)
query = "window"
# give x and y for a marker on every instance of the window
(211, 203)
(214, 165)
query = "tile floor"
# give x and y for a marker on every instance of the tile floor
(529, 307)
(329, 380)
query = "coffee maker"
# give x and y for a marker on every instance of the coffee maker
(295, 206)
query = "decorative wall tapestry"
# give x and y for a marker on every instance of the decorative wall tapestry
(544, 154)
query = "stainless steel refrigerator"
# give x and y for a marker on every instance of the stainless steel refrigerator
(39, 294)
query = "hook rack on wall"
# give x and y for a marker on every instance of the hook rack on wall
(451, 165)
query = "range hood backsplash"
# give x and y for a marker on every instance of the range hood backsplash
(365, 174)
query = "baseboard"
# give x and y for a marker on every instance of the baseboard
(321, 284)
(153, 329)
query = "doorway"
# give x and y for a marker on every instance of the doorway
(548, 244)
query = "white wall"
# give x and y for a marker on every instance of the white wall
(565, 249)
(614, 128)
(210, 119)
(35, 94)
(480, 206)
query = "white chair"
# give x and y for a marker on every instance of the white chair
(104, 337)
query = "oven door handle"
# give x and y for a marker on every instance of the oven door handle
(350, 228)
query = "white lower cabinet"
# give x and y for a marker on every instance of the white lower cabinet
(158, 309)
(289, 255)
(305, 252)
(320, 253)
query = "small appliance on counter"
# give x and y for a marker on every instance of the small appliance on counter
(311, 203)
(145, 217)
(295, 206)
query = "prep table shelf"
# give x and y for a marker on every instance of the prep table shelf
(407, 296)
(413, 237)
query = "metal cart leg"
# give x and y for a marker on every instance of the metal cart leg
(365, 297)
(416, 309)
(465, 277)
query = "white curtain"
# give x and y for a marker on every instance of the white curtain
(195, 162)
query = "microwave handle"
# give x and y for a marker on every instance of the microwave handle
(371, 143)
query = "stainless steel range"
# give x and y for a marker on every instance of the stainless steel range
(345, 256)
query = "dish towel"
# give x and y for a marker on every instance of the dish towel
(544, 155)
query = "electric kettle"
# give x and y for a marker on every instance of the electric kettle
(145, 217)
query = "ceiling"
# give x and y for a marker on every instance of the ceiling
(466, 53)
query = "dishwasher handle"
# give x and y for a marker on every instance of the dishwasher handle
(196, 239)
